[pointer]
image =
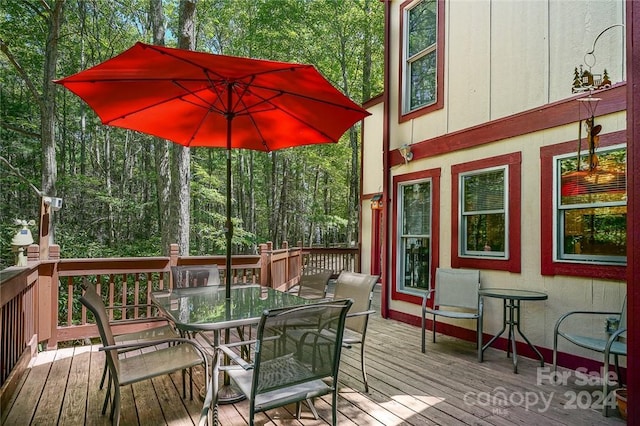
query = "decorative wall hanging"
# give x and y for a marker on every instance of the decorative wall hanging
(584, 79)
(592, 130)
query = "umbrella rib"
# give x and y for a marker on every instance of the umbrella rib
(285, 67)
(307, 97)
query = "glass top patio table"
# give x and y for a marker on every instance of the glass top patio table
(206, 308)
(201, 309)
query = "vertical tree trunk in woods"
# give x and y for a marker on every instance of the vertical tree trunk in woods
(181, 154)
(47, 122)
(282, 205)
(161, 147)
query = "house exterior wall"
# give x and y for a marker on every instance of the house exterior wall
(372, 179)
(502, 59)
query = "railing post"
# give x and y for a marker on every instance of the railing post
(33, 253)
(264, 265)
(174, 253)
(54, 252)
(48, 289)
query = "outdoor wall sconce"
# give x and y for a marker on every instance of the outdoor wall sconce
(405, 152)
(376, 202)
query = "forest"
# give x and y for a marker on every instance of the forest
(130, 194)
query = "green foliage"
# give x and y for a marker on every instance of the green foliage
(107, 177)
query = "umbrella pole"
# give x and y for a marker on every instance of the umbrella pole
(229, 226)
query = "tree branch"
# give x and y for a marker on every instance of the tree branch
(25, 77)
(17, 173)
(20, 130)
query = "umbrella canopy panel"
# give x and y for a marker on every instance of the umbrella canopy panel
(188, 97)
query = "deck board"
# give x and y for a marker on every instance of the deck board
(442, 387)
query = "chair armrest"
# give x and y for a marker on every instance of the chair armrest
(616, 334)
(146, 344)
(568, 314)
(359, 314)
(427, 296)
(226, 349)
(141, 305)
(140, 320)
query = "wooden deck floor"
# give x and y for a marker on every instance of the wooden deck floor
(446, 386)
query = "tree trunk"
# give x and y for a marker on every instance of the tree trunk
(181, 154)
(47, 121)
(161, 147)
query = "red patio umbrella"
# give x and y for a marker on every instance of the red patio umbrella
(201, 99)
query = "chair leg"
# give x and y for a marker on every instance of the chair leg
(423, 325)
(334, 406)
(605, 386)
(184, 384)
(106, 397)
(479, 339)
(311, 406)
(433, 329)
(115, 418)
(364, 371)
(104, 375)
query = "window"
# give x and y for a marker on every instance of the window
(416, 247)
(483, 231)
(591, 208)
(485, 213)
(415, 235)
(422, 47)
(575, 215)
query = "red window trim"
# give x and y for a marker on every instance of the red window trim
(548, 265)
(434, 174)
(439, 104)
(513, 264)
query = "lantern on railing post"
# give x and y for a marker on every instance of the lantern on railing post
(21, 240)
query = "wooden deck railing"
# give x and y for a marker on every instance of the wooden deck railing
(18, 325)
(39, 304)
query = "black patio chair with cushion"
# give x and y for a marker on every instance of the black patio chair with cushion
(158, 359)
(611, 341)
(454, 288)
(285, 370)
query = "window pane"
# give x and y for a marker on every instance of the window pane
(484, 191)
(414, 256)
(416, 262)
(416, 209)
(423, 81)
(595, 231)
(485, 233)
(422, 27)
(607, 183)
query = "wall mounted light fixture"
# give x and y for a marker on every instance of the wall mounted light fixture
(376, 202)
(405, 152)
